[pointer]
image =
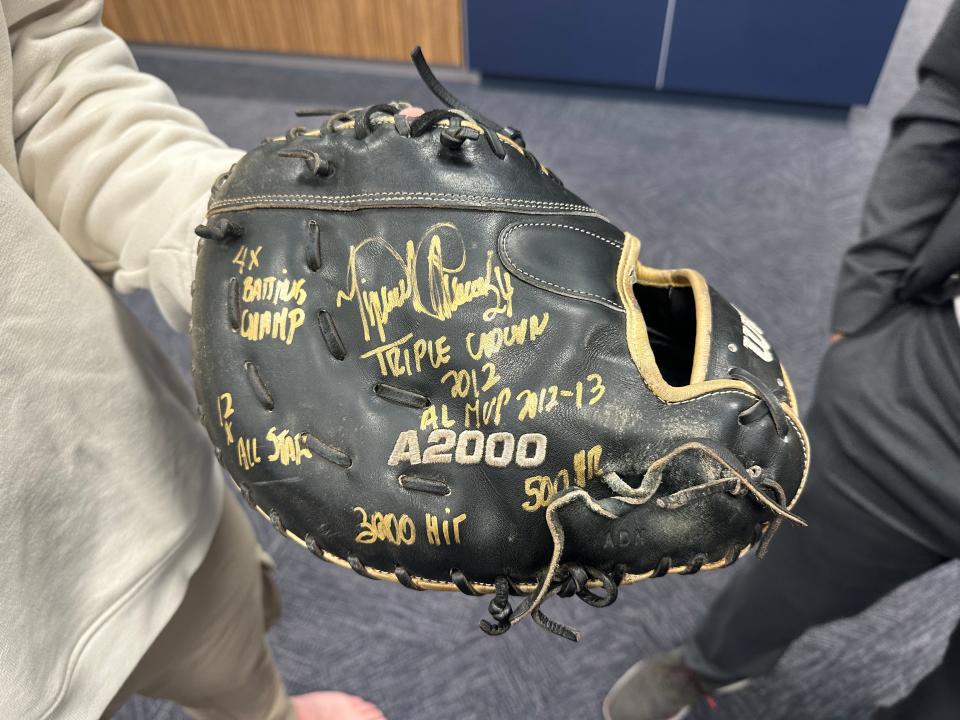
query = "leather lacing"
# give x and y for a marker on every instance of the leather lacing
(567, 579)
(450, 119)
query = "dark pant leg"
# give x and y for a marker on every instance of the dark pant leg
(845, 561)
(937, 697)
(879, 499)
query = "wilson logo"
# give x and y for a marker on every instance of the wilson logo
(754, 339)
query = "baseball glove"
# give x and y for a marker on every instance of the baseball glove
(422, 358)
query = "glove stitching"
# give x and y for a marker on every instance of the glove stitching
(325, 555)
(616, 244)
(431, 194)
(582, 293)
(346, 199)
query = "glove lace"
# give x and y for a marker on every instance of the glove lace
(453, 132)
(566, 579)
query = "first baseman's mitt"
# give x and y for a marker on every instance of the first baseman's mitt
(424, 359)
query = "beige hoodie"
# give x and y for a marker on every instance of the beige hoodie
(108, 492)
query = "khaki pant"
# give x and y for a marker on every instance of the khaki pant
(212, 657)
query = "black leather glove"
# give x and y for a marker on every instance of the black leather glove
(422, 358)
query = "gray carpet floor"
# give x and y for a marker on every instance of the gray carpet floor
(764, 198)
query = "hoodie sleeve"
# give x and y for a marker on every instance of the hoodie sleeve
(107, 154)
(915, 185)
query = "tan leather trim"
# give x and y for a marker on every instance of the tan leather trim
(793, 412)
(484, 588)
(685, 277)
(788, 386)
(390, 120)
(630, 271)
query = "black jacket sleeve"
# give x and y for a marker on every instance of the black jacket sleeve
(910, 235)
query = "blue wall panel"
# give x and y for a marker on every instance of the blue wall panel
(606, 41)
(823, 51)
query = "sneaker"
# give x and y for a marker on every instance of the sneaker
(661, 688)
